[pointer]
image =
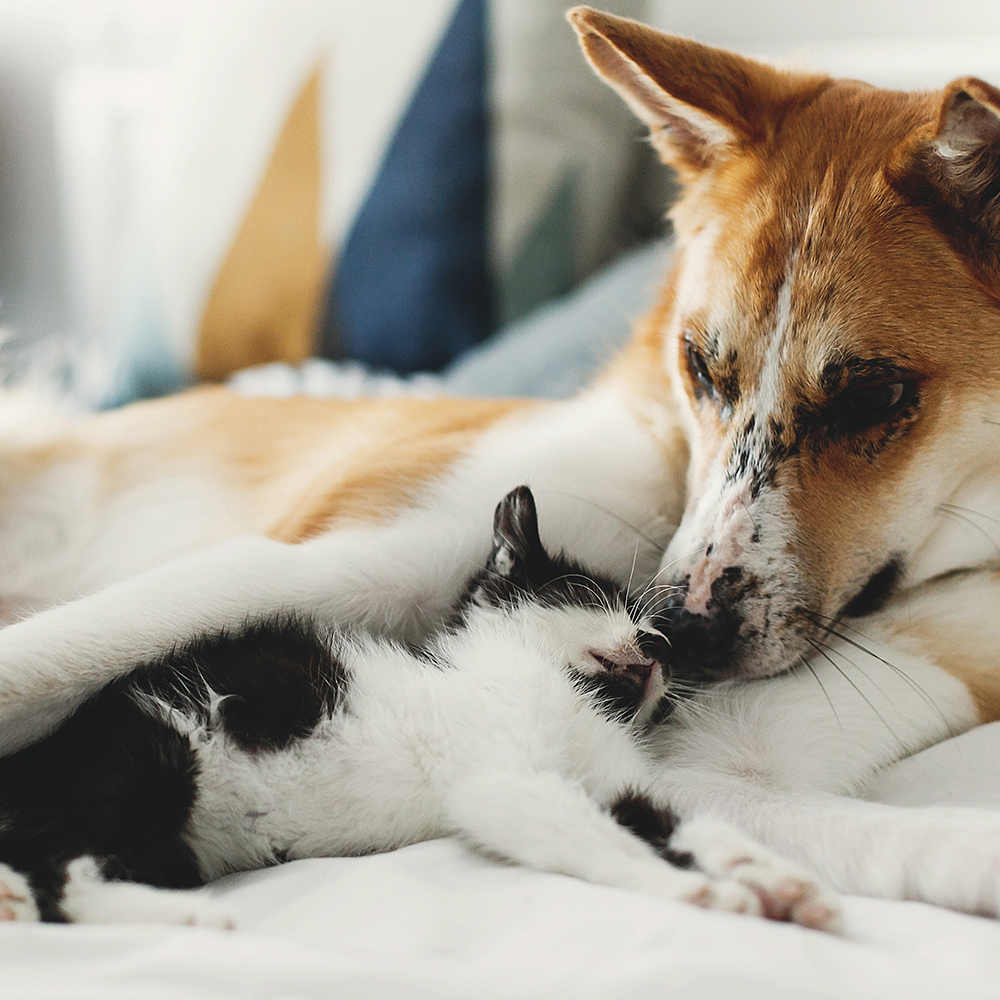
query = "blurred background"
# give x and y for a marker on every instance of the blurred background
(192, 187)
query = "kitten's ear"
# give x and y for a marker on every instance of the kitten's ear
(516, 543)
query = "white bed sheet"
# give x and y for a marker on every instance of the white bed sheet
(437, 921)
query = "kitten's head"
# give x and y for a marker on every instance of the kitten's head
(610, 649)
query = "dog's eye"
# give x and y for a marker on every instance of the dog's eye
(698, 368)
(867, 403)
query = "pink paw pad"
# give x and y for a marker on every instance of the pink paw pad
(8, 896)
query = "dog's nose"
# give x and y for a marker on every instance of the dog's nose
(701, 646)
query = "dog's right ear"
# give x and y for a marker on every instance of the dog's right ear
(951, 167)
(698, 101)
(962, 158)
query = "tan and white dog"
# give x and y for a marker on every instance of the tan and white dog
(815, 400)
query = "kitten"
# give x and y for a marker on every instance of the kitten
(520, 729)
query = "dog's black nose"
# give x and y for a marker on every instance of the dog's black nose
(702, 647)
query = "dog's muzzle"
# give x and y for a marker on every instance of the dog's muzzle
(702, 647)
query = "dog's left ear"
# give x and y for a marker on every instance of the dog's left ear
(960, 159)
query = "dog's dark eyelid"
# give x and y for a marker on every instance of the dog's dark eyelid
(699, 367)
(869, 402)
(875, 398)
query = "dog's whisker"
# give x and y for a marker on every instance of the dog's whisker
(822, 651)
(895, 668)
(822, 687)
(859, 668)
(756, 527)
(956, 514)
(671, 528)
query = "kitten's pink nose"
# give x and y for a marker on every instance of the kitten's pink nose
(636, 667)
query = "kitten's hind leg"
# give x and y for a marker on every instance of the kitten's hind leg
(90, 898)
(543, 821)
(17, 901)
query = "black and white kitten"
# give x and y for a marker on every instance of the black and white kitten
(520, 730)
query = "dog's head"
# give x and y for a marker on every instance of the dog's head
(831, 330)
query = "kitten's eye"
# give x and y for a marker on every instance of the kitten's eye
(698, 369)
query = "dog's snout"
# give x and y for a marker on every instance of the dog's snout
(701, 645)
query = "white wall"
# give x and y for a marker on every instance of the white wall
(895, 43)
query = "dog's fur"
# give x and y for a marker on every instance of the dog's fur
(826, 353)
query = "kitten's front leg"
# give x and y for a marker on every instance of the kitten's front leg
(17, 902)
(541, 820)
(87, 897)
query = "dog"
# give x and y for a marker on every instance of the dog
(797, 453)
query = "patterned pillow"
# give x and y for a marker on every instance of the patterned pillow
(272, 179)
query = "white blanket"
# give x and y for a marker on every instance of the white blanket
(436, 921)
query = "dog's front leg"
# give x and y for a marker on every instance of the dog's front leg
(948, 857)
(779, 759)
(400, 577)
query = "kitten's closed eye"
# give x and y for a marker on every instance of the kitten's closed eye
(628, 680)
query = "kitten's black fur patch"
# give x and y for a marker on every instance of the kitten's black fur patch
(116, 782)
(277, 677)
(110, 782)
(636, 813)
(616, 696)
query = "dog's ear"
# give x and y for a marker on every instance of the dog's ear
(950, 167)
(698, 101)
(961, 159)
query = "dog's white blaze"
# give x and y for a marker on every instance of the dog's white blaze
(726, 513)
(770, 384)
(722, 520)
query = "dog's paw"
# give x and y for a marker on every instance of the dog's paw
(16, 899)
(727, 895)
(784, 891)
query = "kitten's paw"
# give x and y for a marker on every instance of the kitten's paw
(16, 899)
(89, 898)
(193, 911)
(785, 890)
